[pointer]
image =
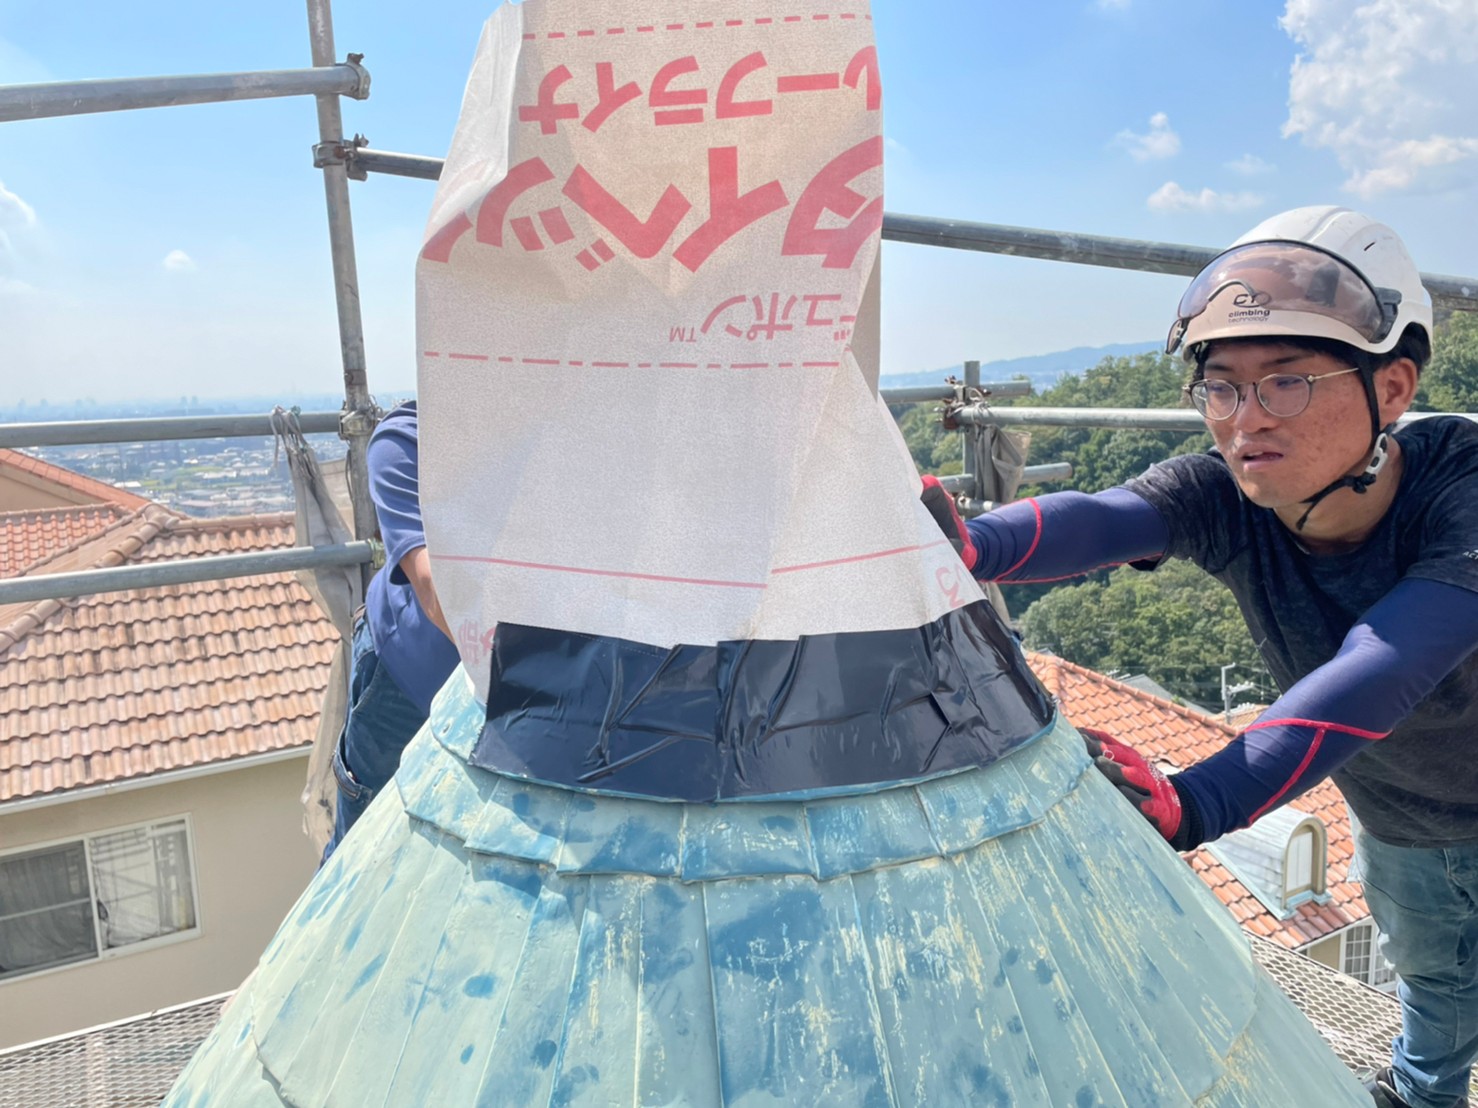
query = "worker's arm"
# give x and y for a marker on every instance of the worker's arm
(395, 487)
(1397, 653)
(1064, 534)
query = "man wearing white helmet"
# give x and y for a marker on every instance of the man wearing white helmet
(1352, 551)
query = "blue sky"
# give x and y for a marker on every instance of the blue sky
(184, 250)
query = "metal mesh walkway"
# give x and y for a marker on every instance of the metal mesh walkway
(127, 1064)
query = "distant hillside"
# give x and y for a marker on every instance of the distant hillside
(1043, 370)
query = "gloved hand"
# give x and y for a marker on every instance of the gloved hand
(941, 506)
(1142, 784)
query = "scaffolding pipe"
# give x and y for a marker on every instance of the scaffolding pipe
(993, 238)
(923, 394)
(960, 483)
(359, 410)
(87, 432)
(125, 93)
(1145, 419)
(159, 429)
(91, 582)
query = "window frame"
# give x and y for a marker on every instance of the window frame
(102, 952)
(1318, 884)
(1367, 932)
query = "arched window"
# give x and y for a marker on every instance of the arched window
(1304, 862)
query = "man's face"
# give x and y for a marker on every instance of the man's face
(1279, 463)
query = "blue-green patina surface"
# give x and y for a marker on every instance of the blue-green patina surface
(1011, 935)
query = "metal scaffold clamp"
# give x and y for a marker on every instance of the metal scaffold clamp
(966, 395)
(340, 152)
(362, 90)
(359, 423)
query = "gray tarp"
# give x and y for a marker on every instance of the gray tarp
(339, 593)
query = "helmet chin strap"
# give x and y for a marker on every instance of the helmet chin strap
(1380, 441)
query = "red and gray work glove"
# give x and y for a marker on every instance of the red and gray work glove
(941, 506)
(1141, 784)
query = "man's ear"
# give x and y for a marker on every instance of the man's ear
(1395, 388)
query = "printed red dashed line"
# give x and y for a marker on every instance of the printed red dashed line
(853, 559)
(508, 359)
(668, 579)
(705, 25)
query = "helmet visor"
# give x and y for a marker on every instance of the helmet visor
(1250, 289)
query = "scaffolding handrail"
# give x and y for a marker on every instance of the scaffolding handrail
(89, 432)
(182, 571)
(116, 94)
(1144, 255)
(1143, 419)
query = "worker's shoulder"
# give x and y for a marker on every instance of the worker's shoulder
(399, 420)
(1440, 452)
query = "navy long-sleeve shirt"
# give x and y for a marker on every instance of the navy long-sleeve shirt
(1374, 648)
(418, 656)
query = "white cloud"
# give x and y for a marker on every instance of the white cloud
(9, 286)
(1385, 85)
(1111, 5)
(177, 261)
(1250, 165)
(1159, 142)
(14, 212)
(1170, 197)
(19, 226)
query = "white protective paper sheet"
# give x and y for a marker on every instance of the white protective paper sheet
(647, 319)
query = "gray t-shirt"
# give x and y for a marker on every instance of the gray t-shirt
(1418, 786)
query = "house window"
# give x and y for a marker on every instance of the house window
(1304, 863)
(93, 897)
(1358, 952)
(1362, 958)
(1298, 867)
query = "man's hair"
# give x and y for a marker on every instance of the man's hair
(1414, 344)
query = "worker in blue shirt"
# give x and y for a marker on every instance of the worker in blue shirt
(1352, 551)
(402, 648)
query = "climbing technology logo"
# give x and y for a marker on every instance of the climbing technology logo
(1471, 554)
(1249, 306)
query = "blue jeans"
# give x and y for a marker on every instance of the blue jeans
(381, 721)
(1425, 901)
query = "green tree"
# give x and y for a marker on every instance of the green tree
(934, 449)
(1102, 457)
(1177, 625)
(1450, 381)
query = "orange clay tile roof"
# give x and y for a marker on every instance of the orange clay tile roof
(27, 536)
(127, 685)
(1169, 733)
(34, 471)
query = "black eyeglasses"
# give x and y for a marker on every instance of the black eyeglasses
(1282, 395)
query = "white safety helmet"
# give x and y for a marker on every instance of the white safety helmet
(1318, 272)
